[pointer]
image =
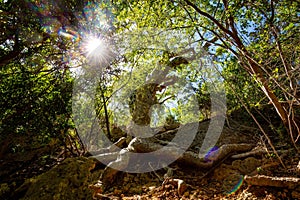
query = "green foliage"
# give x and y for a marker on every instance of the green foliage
(35, 81)
(240, 86)
(34, 105)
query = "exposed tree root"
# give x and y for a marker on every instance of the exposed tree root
(110, 149)
(126, 158)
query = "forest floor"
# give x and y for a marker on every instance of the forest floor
(34, 177)
(222, 183)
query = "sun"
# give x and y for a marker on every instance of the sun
(97, 50)
(94, 44)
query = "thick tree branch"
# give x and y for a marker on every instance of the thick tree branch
(208, 16)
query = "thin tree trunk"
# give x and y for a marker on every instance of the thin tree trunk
(105, 113)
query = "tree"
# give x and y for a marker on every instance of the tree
(261, 35)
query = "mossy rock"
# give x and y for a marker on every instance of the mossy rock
(68, 180)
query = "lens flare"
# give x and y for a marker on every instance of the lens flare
(69, 34)
(237, 186)
(212, 154)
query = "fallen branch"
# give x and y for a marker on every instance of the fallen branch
(256, 152)
(283, 182)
